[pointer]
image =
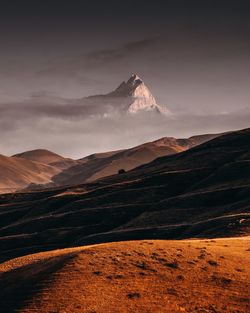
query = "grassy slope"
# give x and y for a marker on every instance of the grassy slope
(135, 276)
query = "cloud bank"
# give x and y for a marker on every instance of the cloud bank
(76, 128)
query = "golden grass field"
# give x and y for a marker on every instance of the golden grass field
(147, 276)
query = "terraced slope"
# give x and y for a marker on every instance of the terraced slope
(202, 192)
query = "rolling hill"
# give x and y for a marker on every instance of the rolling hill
(202, 192)
(101, 165)
(47, 157)
(40, 168)
(41, 156)
(16, 173)
(36, 167)
(131, 277)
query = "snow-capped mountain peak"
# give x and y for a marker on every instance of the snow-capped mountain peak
(131, 96)
(141, 99)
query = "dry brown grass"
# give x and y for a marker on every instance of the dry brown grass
(137, 276)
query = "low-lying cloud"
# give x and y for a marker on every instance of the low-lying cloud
(78, 128)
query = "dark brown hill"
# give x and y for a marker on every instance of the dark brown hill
(202, 192)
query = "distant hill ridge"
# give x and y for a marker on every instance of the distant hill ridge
(41, 168)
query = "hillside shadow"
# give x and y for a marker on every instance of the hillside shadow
(19, 286)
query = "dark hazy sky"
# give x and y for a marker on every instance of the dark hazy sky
(194, 56)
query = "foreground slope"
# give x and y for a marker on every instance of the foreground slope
(202, 192)
(138, 276)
